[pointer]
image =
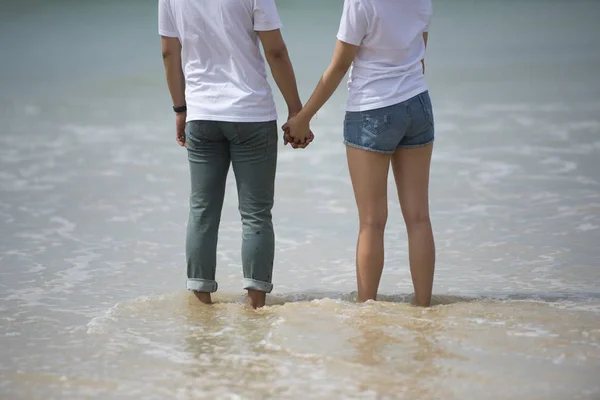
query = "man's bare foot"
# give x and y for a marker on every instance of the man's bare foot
(204, 297)
(256, 298)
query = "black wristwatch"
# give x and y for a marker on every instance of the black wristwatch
(180, 109)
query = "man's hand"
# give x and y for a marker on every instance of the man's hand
(286, 134)
(180, 128)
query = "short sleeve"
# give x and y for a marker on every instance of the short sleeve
(354, 23)
(429, 16)
(266, 17)
(166, 22)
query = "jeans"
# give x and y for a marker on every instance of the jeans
(252, 149)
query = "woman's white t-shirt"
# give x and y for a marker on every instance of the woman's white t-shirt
(387, 69)
(225, 75)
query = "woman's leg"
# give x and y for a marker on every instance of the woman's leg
(411, 171)
(369, 174)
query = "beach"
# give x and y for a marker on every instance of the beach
(94, 204)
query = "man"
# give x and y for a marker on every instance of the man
(225, 114)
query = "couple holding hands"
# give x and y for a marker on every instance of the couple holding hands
(225, 116)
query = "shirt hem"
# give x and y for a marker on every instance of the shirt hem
(391, 102)
(228, 118)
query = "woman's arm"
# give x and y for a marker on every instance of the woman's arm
(342, 59)
(425, 37)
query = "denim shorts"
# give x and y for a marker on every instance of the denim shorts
(401, 126)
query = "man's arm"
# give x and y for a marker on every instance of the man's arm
(279, 61)
(171, 53)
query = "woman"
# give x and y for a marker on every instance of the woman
(389, 119)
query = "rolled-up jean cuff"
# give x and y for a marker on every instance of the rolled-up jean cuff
(202, 285)
(258, 285)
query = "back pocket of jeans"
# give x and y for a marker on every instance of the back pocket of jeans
(199, 132)
(255, 141)
(377, 124)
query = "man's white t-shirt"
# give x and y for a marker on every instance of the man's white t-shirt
(387, 69)
(225, 75)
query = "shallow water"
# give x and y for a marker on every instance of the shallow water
(319, 345)
(93, 206)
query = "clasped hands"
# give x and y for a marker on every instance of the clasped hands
(297, 131)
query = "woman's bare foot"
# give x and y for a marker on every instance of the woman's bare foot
(256, 298)
(204, 297)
